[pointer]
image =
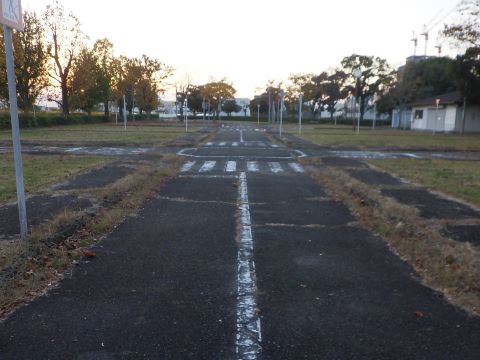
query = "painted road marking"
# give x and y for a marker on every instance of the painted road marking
(231, 166)
(235, 144)
(222, 144)
(241, 136)
(297, 167)
(187, 166)
(248, 337)
(209, 144)
(275, 167)
(252, 166)
(274, 145)
(207, 166)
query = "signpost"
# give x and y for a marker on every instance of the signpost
(300, 111)
(11, 18)
(437, 103)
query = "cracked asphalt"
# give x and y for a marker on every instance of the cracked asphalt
(166, 283)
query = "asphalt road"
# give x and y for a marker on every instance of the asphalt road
(242, 256)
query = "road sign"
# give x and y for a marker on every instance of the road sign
(11, 14)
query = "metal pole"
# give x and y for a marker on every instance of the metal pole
(436, 119)
(17, 150)
(269, 105)
(374, 115)
(133, 107)
(258, 114)
(186, 114)
(281, 113)
(124, 113)
(300, 110)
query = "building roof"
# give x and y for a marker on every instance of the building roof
(445, 99)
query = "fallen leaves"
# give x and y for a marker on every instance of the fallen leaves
(89, 254)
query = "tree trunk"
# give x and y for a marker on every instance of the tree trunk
(65, 99)
(106, 109)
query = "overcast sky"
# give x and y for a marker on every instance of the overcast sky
(251, 41)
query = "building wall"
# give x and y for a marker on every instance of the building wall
(472, 118)
(450, 118)
(419, 124)
(442, 120)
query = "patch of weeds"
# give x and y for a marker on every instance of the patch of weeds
(29, 269)
(446, 265)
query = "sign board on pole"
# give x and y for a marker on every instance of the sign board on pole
(11, 14)
(437, 101)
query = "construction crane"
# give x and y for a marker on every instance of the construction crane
(415, 44)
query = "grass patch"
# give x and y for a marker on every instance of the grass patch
(458, 178)
(445, 265)
(139, 133)
(29, 270)
(41, 170)
(385, 138)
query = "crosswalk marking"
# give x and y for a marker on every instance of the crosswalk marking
(274, 145)
(209, 144)
(275, 167)
(252, 166)
(245, 143)
(222, 144)
(187, 166)
(231, 166)
(207, 166)
(296, 167)
(235, 144)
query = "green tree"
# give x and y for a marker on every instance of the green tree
(468, 31)
(107, 71)
(65, 42)
(195, 99)
(86, 84)
(217, 91)
(375, 77)
(31, 58)
(230, 106)
(334, 89)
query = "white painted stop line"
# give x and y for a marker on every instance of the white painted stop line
(207, 166)
(231, 166)
(187, 166)
(252, 166)
(275, 167)
(297, 167)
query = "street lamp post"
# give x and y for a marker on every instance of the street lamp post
(258, 114)
(186, 114)
(282, 95)
(437, 103)
(357, 73)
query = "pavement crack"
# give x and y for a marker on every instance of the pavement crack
(183, 200)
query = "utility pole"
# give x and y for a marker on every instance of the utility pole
(124, 112)
(258, 114)
(281, 112)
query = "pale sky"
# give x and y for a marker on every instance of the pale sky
(250, 42)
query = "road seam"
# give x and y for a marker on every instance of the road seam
(249, 335)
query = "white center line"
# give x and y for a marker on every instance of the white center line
(249, 336)
(207, 166)
(275, 167)
(252, 166)
(231, 166)
(187, 166)
(297, 167)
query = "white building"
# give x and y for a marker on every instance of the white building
(448, 117)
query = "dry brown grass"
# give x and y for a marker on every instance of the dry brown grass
(445, 265)
(28, 270)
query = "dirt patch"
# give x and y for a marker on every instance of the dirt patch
(431, 206)
(369, 176)
(40, 208)
(464, 233)
(97, 178)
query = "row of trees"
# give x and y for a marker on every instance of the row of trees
(52, 58)
(379, 85)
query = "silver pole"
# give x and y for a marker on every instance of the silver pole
(300, 110)
(17, 149)
(436, 119)
(124, 112)
(258, 114)
(281, 113)
(186, 114)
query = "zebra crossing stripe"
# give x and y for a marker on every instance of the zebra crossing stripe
(252, 166)
(222, 144)
(297, 167)
(275, 167)
(187, 166)
(209, 144)
(274, 146)
(207, 166)
(235, 143)
(231, 166)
